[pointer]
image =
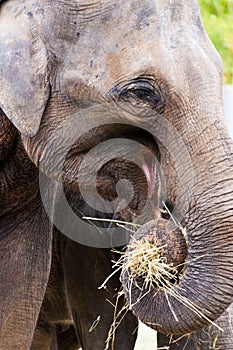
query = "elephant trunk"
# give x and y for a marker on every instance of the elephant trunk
(198, 294)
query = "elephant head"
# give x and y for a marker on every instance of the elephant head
(146, 71)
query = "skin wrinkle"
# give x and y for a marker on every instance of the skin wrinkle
(219, 162)
(200, 218)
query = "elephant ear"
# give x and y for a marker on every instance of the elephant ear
(24, 82)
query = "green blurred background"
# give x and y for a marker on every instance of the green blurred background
(217, 16)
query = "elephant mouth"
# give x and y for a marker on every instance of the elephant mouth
(79, 169)
(63, 161)
(140, 172)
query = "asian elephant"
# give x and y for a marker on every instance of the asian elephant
(111, 110)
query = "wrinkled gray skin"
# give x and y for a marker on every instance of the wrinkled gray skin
(208, 338)
(57, 58)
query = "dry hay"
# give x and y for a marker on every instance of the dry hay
(144, 260)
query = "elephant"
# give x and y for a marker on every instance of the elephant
(111, 115)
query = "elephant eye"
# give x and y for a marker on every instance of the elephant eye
(142, 94)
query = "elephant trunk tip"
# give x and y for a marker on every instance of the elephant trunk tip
(155, 259)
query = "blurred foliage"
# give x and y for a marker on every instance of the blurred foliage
(217, 16)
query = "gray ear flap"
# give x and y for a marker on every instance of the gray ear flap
(24, 83)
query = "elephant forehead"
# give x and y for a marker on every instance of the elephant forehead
(133, 14)
(103, 42)
(97, 8)
(107, 42)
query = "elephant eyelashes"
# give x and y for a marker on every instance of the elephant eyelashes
(142, 93)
